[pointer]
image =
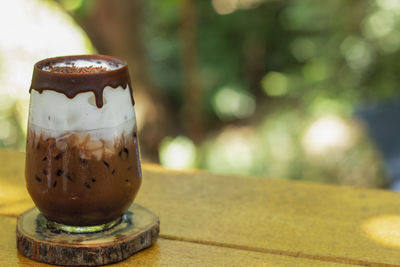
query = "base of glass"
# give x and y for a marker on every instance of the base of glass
(138, 230)
(77, 229)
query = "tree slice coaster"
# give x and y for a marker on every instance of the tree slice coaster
(138, 229)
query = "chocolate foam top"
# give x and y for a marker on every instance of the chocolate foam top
(60, 74)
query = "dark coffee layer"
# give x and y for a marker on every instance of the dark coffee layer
(75, 190)
(72, 83)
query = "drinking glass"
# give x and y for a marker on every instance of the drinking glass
(82, 159)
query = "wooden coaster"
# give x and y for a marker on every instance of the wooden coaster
(138, 230)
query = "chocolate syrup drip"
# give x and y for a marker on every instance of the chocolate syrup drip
(71, 84)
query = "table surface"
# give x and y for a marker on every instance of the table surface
(211, 220)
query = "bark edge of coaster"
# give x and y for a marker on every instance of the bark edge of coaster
(138, 230)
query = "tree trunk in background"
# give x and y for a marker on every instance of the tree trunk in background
(254, 64)
(114, 28)
(191, 81)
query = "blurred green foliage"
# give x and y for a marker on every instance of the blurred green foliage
(29, 37)
(318, 48)
(297, 61)
(271, 73)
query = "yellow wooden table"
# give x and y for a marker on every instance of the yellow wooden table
(210, 220)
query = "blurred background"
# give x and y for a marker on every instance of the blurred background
(302, 90)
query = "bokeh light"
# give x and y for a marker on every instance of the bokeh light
(393, 5)
(224, 7)
(232, 103)
(325, 134)
(270, 92)
(383, 229)
(234, 151)
(178, 153)
(29, 38)
(379, 24)
(303, 48)
(275, 84)
(315, 70)
(357, 52)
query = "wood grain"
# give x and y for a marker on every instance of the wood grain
(164, 253)
(275, 216)
(304, 220)
(137, 230)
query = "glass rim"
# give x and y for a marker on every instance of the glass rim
(71, 84)
(38, 67)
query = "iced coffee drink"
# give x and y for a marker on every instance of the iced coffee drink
(82, 160)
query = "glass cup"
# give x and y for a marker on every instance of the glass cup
(82, 160)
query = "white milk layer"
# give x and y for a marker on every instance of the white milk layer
(56, 113)
(81, 63)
